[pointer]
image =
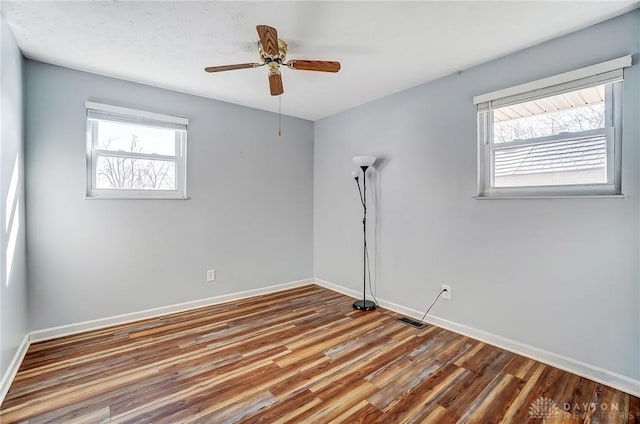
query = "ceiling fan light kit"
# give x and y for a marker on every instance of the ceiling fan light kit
(273, 52)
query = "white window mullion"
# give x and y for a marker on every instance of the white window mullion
(550, 139)
(132, 155)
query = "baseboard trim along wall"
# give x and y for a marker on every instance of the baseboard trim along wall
(600, 375)
(11, 372)
(96, 324)
(574, 366)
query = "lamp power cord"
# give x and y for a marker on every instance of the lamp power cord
(368, 276)
(366, 249)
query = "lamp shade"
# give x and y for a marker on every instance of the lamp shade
(355, 174)
(364, 160)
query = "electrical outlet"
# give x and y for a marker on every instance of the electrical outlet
(447, 291)
(211, 275)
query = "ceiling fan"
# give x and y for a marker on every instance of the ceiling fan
(273, 51)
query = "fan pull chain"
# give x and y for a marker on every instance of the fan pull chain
(280, 115)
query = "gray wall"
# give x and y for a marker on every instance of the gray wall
(249, 216)
(561, 274)
(13, 281)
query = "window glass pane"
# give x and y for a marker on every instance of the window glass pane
(135, 174)
(579, 110)
(574, 161)
(117, 136)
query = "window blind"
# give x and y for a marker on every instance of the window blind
(602, 73)
(133, 116)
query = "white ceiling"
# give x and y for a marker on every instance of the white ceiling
(384, 47)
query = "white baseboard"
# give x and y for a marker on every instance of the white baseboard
(574, 366)
(600, 375)
(10, 374)
(96, 324)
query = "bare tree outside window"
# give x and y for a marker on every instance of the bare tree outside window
(128, 157)
(583, 118)
(134, 174)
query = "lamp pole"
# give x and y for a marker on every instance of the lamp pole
(364, 304)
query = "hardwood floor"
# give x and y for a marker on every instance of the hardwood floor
(297, 356)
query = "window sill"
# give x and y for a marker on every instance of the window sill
(136, 198)
(562, 196)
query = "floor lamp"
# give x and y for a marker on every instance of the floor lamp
(363, 162)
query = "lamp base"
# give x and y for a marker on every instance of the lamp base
(364, 305)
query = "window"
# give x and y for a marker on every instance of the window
(135, 154)
(557, 136)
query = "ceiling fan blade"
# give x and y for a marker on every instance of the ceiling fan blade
(232, 67)
(269, 39)
(314, 65)
(275, 84)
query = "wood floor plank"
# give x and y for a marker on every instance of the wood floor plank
(411, 404)
(38, 405)
(633, 414)
(490, 406)
(519, 408)
(364, 413)
(330, 409)
(283, 408)
(436, 414)
(519, 366)
(295, 356)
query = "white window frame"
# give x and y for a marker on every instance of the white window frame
(610, 73)
(98, 111)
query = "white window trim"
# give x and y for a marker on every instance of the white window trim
(602, 73)
(140, 117)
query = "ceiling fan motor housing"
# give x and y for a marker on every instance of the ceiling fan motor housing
(279, 58)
